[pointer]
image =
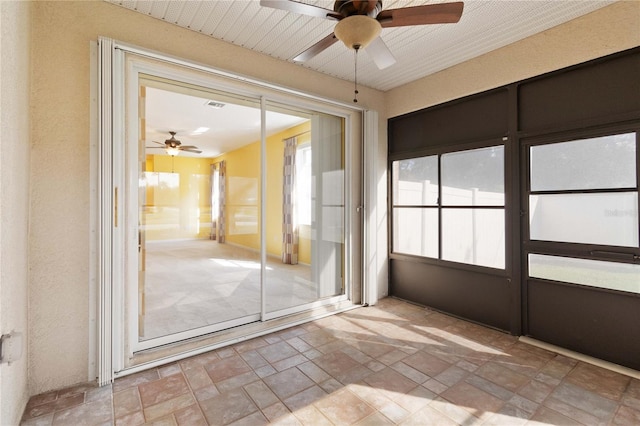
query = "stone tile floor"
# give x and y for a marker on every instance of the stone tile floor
(394, 363)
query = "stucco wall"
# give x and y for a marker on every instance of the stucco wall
(60, 231)
(608, 30)
(14, 201)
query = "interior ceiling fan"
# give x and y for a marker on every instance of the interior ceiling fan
(361, 21)
(173, 146)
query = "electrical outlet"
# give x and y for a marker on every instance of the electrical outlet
(10, 347)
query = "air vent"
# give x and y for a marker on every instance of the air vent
(215, 104)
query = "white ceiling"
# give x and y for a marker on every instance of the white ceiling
(485, 25)
(213, 130)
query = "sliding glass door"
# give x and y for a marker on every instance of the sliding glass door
(238, 210)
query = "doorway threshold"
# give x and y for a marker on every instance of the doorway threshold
(166, 354)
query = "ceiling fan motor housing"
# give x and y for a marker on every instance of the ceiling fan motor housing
(173, 142)
(348, 8)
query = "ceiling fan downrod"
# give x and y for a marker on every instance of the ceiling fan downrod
(356, 48)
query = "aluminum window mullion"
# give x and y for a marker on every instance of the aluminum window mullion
(638, 177)
(584, 191)
(473, 207)
(439, 206)
(414, 206)
(453, 206)
(263, 209)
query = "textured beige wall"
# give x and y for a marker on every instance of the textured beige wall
(605, 31)
(14, 201)
(60, 231)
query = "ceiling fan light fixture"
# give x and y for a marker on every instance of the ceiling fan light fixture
(357, 31)
(173, 151)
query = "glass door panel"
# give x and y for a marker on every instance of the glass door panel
(304, 209)
(591, 218)
(220, 241)
(328, 188)
(586, 164)
(594, 273)
(582, 246)
(199, 210)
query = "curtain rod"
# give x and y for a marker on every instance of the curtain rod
(299, 134)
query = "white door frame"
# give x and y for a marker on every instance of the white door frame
(112, 235)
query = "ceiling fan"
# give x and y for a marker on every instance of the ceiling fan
(361, 21)
(173, 146)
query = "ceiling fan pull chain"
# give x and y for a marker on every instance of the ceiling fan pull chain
(355, 91)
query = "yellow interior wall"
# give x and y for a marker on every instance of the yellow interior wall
(193, 200)
(241, 163)
(245, 163)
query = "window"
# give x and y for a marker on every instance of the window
(415, 197)
(584, 191)
(451, 206)
(303, 184)
(593, 273)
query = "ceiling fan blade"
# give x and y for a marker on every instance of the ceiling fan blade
(380, 53)
(188, 147)
(316, 48)
(155, 147)
(300, 8)
(159, 143)
(196, 151)
(440, 13)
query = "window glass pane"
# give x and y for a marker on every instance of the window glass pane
(415, 181)
(598, 163)
(610, 219)
(303, 184)
(596, 273)
(473, 178)
(474, 236)
(415, 231)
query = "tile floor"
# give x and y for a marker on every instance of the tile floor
(394, 363)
